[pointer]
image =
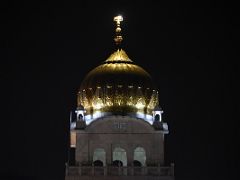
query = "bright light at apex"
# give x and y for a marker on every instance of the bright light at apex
(118, 18)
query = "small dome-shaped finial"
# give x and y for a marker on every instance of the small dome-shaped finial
(118, 36)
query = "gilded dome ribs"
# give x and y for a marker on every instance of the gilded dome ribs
(116, 85)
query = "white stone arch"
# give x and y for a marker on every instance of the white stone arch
(99, 154)
(140, 155)
(120, 154)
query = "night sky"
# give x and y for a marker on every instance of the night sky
(190, 49)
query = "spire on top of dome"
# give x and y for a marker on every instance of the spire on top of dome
(119, 55)
(118, 36)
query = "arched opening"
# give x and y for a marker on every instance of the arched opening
(139, 157)
(99, 155)
(136, 163)
(98, 163)
(157, 117)
(119, 154)
(80, 117)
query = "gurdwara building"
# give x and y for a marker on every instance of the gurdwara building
(118, 131)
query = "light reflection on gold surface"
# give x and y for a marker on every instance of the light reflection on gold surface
(112, 97)
(119, 55)
(106, 95)
(97, 103)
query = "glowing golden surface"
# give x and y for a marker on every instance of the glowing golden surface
(119, 55)
(118, 86)
(118, 36)
(118, 19)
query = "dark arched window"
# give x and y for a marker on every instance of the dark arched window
(157, 117)
(119, 154)
(137, 163)
(99, 155)
(80, 117)
(139, 157)
(98, 163)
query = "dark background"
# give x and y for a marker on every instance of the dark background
(190, 49)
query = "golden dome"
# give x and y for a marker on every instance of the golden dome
(118, 86)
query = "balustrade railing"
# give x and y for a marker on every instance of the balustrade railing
(119, 171)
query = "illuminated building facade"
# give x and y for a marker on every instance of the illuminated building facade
(118, 130)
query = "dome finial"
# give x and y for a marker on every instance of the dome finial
(118, 36)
